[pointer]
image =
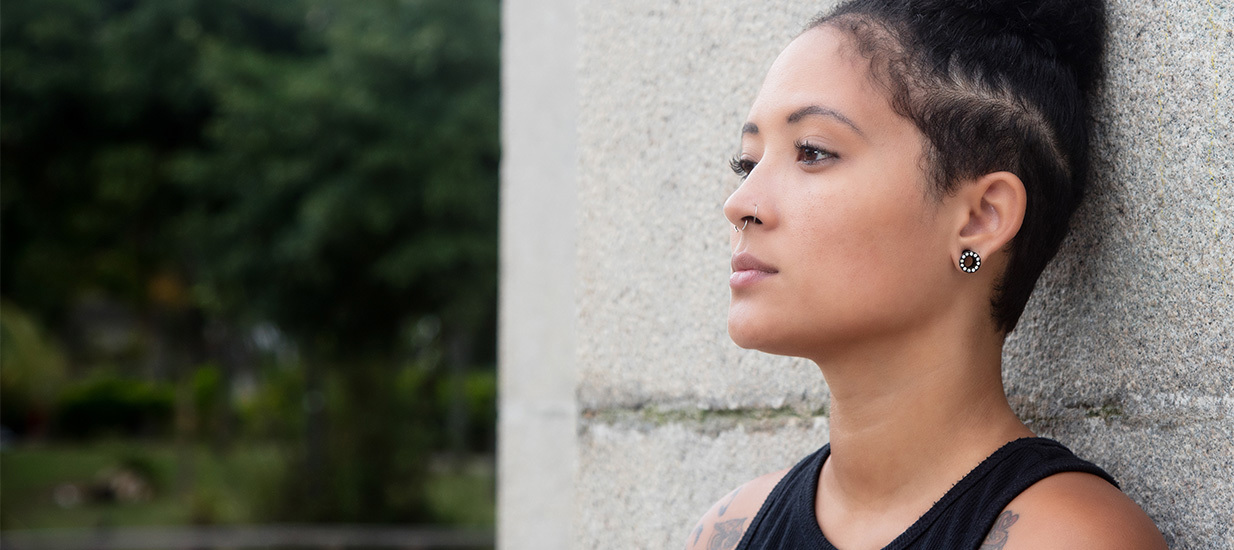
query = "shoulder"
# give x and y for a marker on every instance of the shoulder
(1073, 510)
(726, 522)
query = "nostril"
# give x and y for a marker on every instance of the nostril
(745, 221)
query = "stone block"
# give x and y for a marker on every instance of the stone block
(645, 484)
(664, 89)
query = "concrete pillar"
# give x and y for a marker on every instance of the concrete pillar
(537, 412)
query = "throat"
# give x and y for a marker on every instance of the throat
(897, 450)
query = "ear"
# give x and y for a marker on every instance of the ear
(992, 209)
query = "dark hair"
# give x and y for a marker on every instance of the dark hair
(993, 85)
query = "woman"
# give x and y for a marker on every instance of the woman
(909, 169)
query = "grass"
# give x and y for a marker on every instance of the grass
(191, 484)
(188, 485)
(465, 498)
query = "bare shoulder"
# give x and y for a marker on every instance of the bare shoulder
(1073, 510)
(722, 527)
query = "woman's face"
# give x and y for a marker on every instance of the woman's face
(848, 248)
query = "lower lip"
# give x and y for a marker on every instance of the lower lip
(740, 279)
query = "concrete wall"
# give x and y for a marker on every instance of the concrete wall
(537, 412)
(1125, 353)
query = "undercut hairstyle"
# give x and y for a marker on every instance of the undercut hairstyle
(994, 85)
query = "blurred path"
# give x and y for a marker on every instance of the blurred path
(270, 536)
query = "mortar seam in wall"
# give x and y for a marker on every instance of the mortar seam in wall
(702, 420)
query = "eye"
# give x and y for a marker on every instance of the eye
(810, 154)
(741, 166)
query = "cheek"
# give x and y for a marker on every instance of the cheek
(871, 261)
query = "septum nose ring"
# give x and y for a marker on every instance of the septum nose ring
(746, 221)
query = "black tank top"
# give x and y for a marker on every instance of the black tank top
(959, 520)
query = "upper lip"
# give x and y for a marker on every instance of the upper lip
(744, 261)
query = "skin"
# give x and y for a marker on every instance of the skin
(851, 263)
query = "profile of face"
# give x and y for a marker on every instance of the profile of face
(847, 249)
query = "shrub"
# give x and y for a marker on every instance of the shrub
(111, 405)
(31, 371)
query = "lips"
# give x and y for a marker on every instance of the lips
(748, 270)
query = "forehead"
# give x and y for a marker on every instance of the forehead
(823, 68)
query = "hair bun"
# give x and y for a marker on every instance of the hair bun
(1070, 31)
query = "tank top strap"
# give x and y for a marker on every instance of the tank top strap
(965, 515)
(960, 519)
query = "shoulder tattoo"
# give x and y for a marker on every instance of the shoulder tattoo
(728, 501)
(997, 538)
(726, 534)
(698, 531)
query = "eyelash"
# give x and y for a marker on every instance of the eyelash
(743, 167)
(804, 146)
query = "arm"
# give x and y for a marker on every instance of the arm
(722, 527)
(1073, 510)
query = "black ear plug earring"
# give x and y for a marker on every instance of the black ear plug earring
(970, 261)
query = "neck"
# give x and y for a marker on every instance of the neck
(909, 420)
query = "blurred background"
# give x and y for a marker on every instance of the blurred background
(248, 263)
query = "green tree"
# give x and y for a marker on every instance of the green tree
(31, 372)
(345, 194)
(326, 166)
(97, 100)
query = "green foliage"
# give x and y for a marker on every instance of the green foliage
(328, 167)
(481, 391)
(343, 193)
(379, 442)
(32, 371)
(96, 102)
(464, 497)
(274, 411)
(208, 400)
(111, 405)
(479, 394)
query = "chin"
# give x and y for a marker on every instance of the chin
(749, 334)
(753, 326)
(774, 334)
(764, 342)
(740, 338)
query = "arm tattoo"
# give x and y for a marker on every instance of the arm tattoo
(727, 534)
(698, 531)
(998, 534)
(731, 497)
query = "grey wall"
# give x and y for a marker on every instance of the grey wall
(619, 300)
(536, 413)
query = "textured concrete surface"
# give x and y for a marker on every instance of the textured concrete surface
(1125, 352)
(1173, 456)
(646, 482)
(664, 88)
(536, 414)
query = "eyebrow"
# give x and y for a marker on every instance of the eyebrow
(812, 110)
(815, 110)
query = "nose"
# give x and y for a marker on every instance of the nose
(742, 208)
